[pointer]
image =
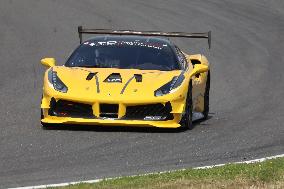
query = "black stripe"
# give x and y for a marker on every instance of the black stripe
(126, 84)
(97, 83)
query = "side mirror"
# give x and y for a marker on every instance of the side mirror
(49, 62)
(199, 68)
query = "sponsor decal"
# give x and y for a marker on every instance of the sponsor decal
(152, 117)
(154, 45)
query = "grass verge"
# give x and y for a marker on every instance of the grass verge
(268, 174)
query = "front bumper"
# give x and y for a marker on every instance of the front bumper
(175, 102)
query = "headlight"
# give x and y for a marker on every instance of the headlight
(56, 82)
(168, 87)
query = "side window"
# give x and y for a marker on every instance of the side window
(181, 58)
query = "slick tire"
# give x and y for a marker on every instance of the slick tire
(186, 122)
(206, 97)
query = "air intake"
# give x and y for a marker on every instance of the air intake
(113, 78)
(109, 110)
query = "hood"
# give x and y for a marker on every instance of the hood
(112, 81)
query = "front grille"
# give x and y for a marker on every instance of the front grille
(63, 108)
(149, 112)
(109, 110)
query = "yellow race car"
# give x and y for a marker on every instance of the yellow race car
(127, 78)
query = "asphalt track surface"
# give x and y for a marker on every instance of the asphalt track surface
(247, 90)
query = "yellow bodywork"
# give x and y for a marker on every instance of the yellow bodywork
(85, 91)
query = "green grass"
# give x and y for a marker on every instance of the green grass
(268, 174)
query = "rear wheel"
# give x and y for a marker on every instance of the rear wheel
(206, 97)
(186, 121)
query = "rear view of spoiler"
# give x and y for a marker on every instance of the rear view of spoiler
(206, 35)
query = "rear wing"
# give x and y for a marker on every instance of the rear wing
(82, 31)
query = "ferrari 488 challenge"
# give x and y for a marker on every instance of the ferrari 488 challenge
(127, 78)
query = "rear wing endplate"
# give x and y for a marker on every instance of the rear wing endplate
(82, 31)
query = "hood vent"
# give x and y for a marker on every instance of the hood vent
(138, 77)
(113, 78)
(91, 75)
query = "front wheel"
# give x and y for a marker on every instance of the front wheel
(186, 121)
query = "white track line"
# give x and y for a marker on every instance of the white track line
(99, 180)
(247, 162)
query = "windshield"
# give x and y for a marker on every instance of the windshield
(144, 55)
